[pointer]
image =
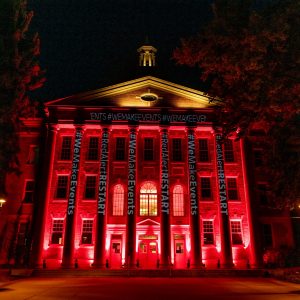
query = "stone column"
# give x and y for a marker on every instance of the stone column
(99, 250)
(196, 258)
(68, 250)
(165, 242)
(226, 250)
(40, 212)
(131, 200)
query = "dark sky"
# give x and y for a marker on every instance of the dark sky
(88, 44)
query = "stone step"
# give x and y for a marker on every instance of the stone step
(148, 273)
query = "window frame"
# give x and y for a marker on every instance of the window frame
(93, 149)
(178, 201)
(209, 231)
(118, 203)
(28, 192)
(177, 150)
(88, 187)
(229, 156)
(148, 152)
(60, 225)
(203, 151)
(234, 232)
(66, 148)
(57, 197)
(120, 148)
(88, 232)
(232, 190)
(149, 199)
(203, 188)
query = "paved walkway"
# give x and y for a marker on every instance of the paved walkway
(150, 289)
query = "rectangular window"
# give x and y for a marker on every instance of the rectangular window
(208, 233)
(57, 231)
(62, 185)
(232, 189)
(267, 236)
(228, 151)
(236, 233)
(93, 150)
(29, 189)
(203, 150)
(120, 148)
(148, 149)
(262, 193)
(176, 150)
(33, 154)
(205, 188)
(87, 232)
(90, 187)
(66, 148)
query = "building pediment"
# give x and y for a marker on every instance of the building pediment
(143, 92)
(148, 222)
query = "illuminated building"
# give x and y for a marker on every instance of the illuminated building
(136, 175)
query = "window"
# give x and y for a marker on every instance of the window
(205, 188)
(33, 154)
(29, 188)
(118, 200)
(236, 233)
(262, 193)
(57, 231)
(66, 148)
(178, 201)
(87, 232)
(62, 185)
(258, 157)
(148, 200)
(148, 149)
(120, 148)
(90, 187)
(93, 151)
(267, 236)
(228, 151)
(176, 150)
(232, 189)
(208, 233)
(203, 150)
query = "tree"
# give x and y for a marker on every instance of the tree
(19, 73)
(249, 58)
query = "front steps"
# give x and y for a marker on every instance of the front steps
(147, 273)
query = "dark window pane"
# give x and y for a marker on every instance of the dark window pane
(228, 151)
(177, 150)
(203, 150)
(232, 189)
(90, 187)
(62, 184)
(93, 151)
(148, 149)
(205, 188)
(120, 148)
(66, 148)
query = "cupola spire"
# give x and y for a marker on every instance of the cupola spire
(147, 55)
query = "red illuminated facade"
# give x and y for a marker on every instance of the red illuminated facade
(136, 175)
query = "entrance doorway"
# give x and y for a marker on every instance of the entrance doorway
(148, 254)
(180, 256)
(116, 252)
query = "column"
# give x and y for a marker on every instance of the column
(255, 253)
(68, 250)
(131, 200)
(99, 250)
(196, 258)
(40, 211)
(226, 250)
(165, 242)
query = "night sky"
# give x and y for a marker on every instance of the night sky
(90, 44)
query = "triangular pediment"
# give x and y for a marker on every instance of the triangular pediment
(131, 94)
(148, 222)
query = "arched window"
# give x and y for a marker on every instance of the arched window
(118, 200)
(148, 200)
(178, 201)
